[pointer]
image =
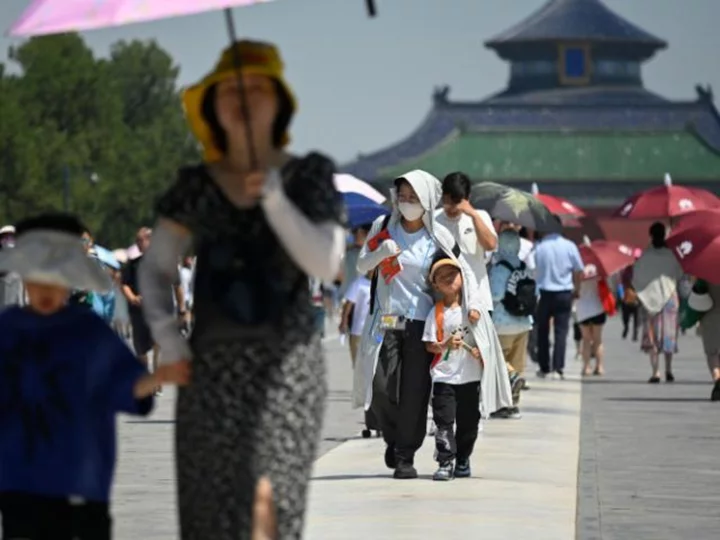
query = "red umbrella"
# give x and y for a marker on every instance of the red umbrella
(666, 201)
(695, 240)
(603, 258)
(557, 205)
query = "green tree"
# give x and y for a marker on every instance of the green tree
(70, 115)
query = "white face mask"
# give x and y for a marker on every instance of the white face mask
(411, 211)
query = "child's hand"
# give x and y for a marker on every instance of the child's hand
(477, 356)
(473, 316)
(176, 373)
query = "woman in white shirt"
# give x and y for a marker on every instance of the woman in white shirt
(591, 317)
(392, 372)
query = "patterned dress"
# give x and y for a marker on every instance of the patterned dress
(660, 331)
(257, 396)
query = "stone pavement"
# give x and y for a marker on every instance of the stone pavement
(648, 464)
(523, 485)
(650, 454)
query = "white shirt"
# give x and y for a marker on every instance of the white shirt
(452, 366)
(527, 254)
(359, 295)
(409, 290)
(463, 230)
(588, 304)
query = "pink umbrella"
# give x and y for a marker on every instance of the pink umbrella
(58, 16)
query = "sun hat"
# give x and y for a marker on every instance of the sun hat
(7, 229)
(256, 58)
(439, 264)
(47, 251)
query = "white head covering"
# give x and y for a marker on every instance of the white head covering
(54, 257)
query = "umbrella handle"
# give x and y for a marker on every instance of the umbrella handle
(371, 8)
(245, 109)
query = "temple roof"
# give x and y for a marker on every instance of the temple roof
(522, 114)
(506, 156)
(575, 20)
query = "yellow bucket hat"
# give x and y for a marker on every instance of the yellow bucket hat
(256, 58)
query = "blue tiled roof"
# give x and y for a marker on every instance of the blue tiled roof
(575, 20)
(446, 117)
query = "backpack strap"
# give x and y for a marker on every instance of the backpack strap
(505, 264)
(510, 267)
(374, 278)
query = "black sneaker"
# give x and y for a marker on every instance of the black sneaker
(516, 386)
(444, 472)
(390, 460)
(715, 396)
(405, 471)
(462, 469)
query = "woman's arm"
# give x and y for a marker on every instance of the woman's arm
(157, 275)
(317, 248)
(368, 259)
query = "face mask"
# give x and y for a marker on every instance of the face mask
(411, 211)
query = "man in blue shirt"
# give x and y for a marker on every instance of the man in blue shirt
(559, 269)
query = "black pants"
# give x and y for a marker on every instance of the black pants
(401, 390)
(453, 404)
(34, 517)
(558, 307)
(629, 312)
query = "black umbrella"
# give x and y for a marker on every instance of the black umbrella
(514, 206)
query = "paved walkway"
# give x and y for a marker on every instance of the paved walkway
(650, 454)
(524, 481)
(648, 465)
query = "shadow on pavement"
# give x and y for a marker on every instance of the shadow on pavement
(150, 421)
(385, 476)
(642, 382)
(659, 399)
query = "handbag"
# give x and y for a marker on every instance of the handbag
(699, 298)
(607, 298)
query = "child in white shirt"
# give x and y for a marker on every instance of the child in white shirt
(355, 312)
(455, 372)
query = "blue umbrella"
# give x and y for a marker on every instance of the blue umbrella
(106, 257)
(362, 210)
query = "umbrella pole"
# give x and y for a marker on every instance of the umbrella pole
(244, 107)
(371, 8)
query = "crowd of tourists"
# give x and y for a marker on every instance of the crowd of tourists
(440, 304)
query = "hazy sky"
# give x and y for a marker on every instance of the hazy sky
(365, 83)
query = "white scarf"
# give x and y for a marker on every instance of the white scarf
(655, 277)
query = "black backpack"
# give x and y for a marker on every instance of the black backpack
(520, 297)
